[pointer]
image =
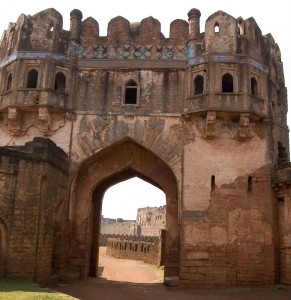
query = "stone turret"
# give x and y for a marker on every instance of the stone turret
(194, 23)
(75, 26)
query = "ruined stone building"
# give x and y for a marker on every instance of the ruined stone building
(149, 221)
(200, 115)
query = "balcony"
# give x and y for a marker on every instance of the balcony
(27, 98)
(231, 102)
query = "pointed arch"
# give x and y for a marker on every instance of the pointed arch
(60, 82)
(32, 78)
(9, 82)
(227, 83)
(198, 85)
(121, 161)
(254, 87)
(216, 27)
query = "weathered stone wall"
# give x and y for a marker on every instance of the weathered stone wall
(33, 191)
(119, 227)
(144, 249)
(149, 222)
(282, 187)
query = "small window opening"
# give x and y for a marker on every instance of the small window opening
(281, 199)
(32, 79)
(216, 27)
(130, 93)
(198, 85)
(60, 82)
(212, 183)
(227, 83)
(135, 248)
(50, 31)
(9, 82)
(250, 184)
(141, 249)
(254, 87)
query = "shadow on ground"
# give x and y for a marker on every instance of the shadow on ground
(102, 289)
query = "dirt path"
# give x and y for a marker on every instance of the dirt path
(125, 270)
(133, 280)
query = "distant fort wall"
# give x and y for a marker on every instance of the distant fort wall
(149, 222)
(147, 249)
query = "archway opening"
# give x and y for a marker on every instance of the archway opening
(133, 221)
(119, 162)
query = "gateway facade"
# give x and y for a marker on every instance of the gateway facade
(201, 115)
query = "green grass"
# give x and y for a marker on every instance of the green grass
(18, 289)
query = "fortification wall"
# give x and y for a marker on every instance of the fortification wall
(33, 200)
(119, 227)
(143, 248)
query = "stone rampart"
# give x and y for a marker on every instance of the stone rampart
(147, 249)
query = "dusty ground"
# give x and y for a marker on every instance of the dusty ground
(132, 280)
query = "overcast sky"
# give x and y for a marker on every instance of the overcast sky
(271, 16)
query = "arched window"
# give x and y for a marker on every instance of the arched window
(131, 93)
(227, 83)
(198, 85)
(60, 82)
(216, 27)
(32, 79)
(9, 82)
(254, 87)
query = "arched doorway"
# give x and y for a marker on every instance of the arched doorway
(109, 166)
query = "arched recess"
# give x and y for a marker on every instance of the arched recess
(116, 163)
(3, 247)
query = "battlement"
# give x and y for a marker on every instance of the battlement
(141, 40)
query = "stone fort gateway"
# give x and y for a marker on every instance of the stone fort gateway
(200, 115)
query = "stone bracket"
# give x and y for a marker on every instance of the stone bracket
(244, 129)
(210, 130)
(14, 121)
(46, 120)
